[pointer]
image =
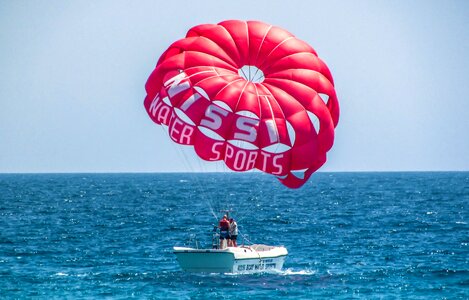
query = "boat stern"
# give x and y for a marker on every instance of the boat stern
(205, 260)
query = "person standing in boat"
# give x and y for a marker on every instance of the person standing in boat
(224, 230)
(233, 232)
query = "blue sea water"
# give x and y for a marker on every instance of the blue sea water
(349, 235)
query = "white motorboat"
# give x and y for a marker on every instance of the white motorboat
(243, 259)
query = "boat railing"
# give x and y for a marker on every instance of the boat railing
(193, 241)
(215, 238)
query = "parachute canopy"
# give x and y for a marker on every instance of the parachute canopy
(247, 93)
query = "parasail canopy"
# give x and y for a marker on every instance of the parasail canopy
(249, 94)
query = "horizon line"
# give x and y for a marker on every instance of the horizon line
(230, 172)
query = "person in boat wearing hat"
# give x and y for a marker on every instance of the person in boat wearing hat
(233, 232)
(224, 230)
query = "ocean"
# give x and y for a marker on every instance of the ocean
(349, 235)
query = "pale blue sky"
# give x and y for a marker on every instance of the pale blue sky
(72, 77)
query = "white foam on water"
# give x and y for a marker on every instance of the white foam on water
(285, 272)
(73, 275)
(288, 272)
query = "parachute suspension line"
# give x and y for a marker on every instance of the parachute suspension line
(261, 75)
(260, 78)
(209, 197)
(212, 211)
(252, 74)
(243, 74)
(199, 186)
(249, 52)
(245, 238)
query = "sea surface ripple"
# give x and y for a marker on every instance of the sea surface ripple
(349, 235)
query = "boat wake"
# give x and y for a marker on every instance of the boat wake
(286, 272)
(289, 271)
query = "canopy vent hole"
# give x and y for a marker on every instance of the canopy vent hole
(252, 74)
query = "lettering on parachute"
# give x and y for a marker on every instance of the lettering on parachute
(213, 123)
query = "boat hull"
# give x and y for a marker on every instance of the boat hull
(231, 259)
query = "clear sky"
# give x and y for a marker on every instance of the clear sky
(72, 77)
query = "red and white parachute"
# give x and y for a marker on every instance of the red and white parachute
(247, 93)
